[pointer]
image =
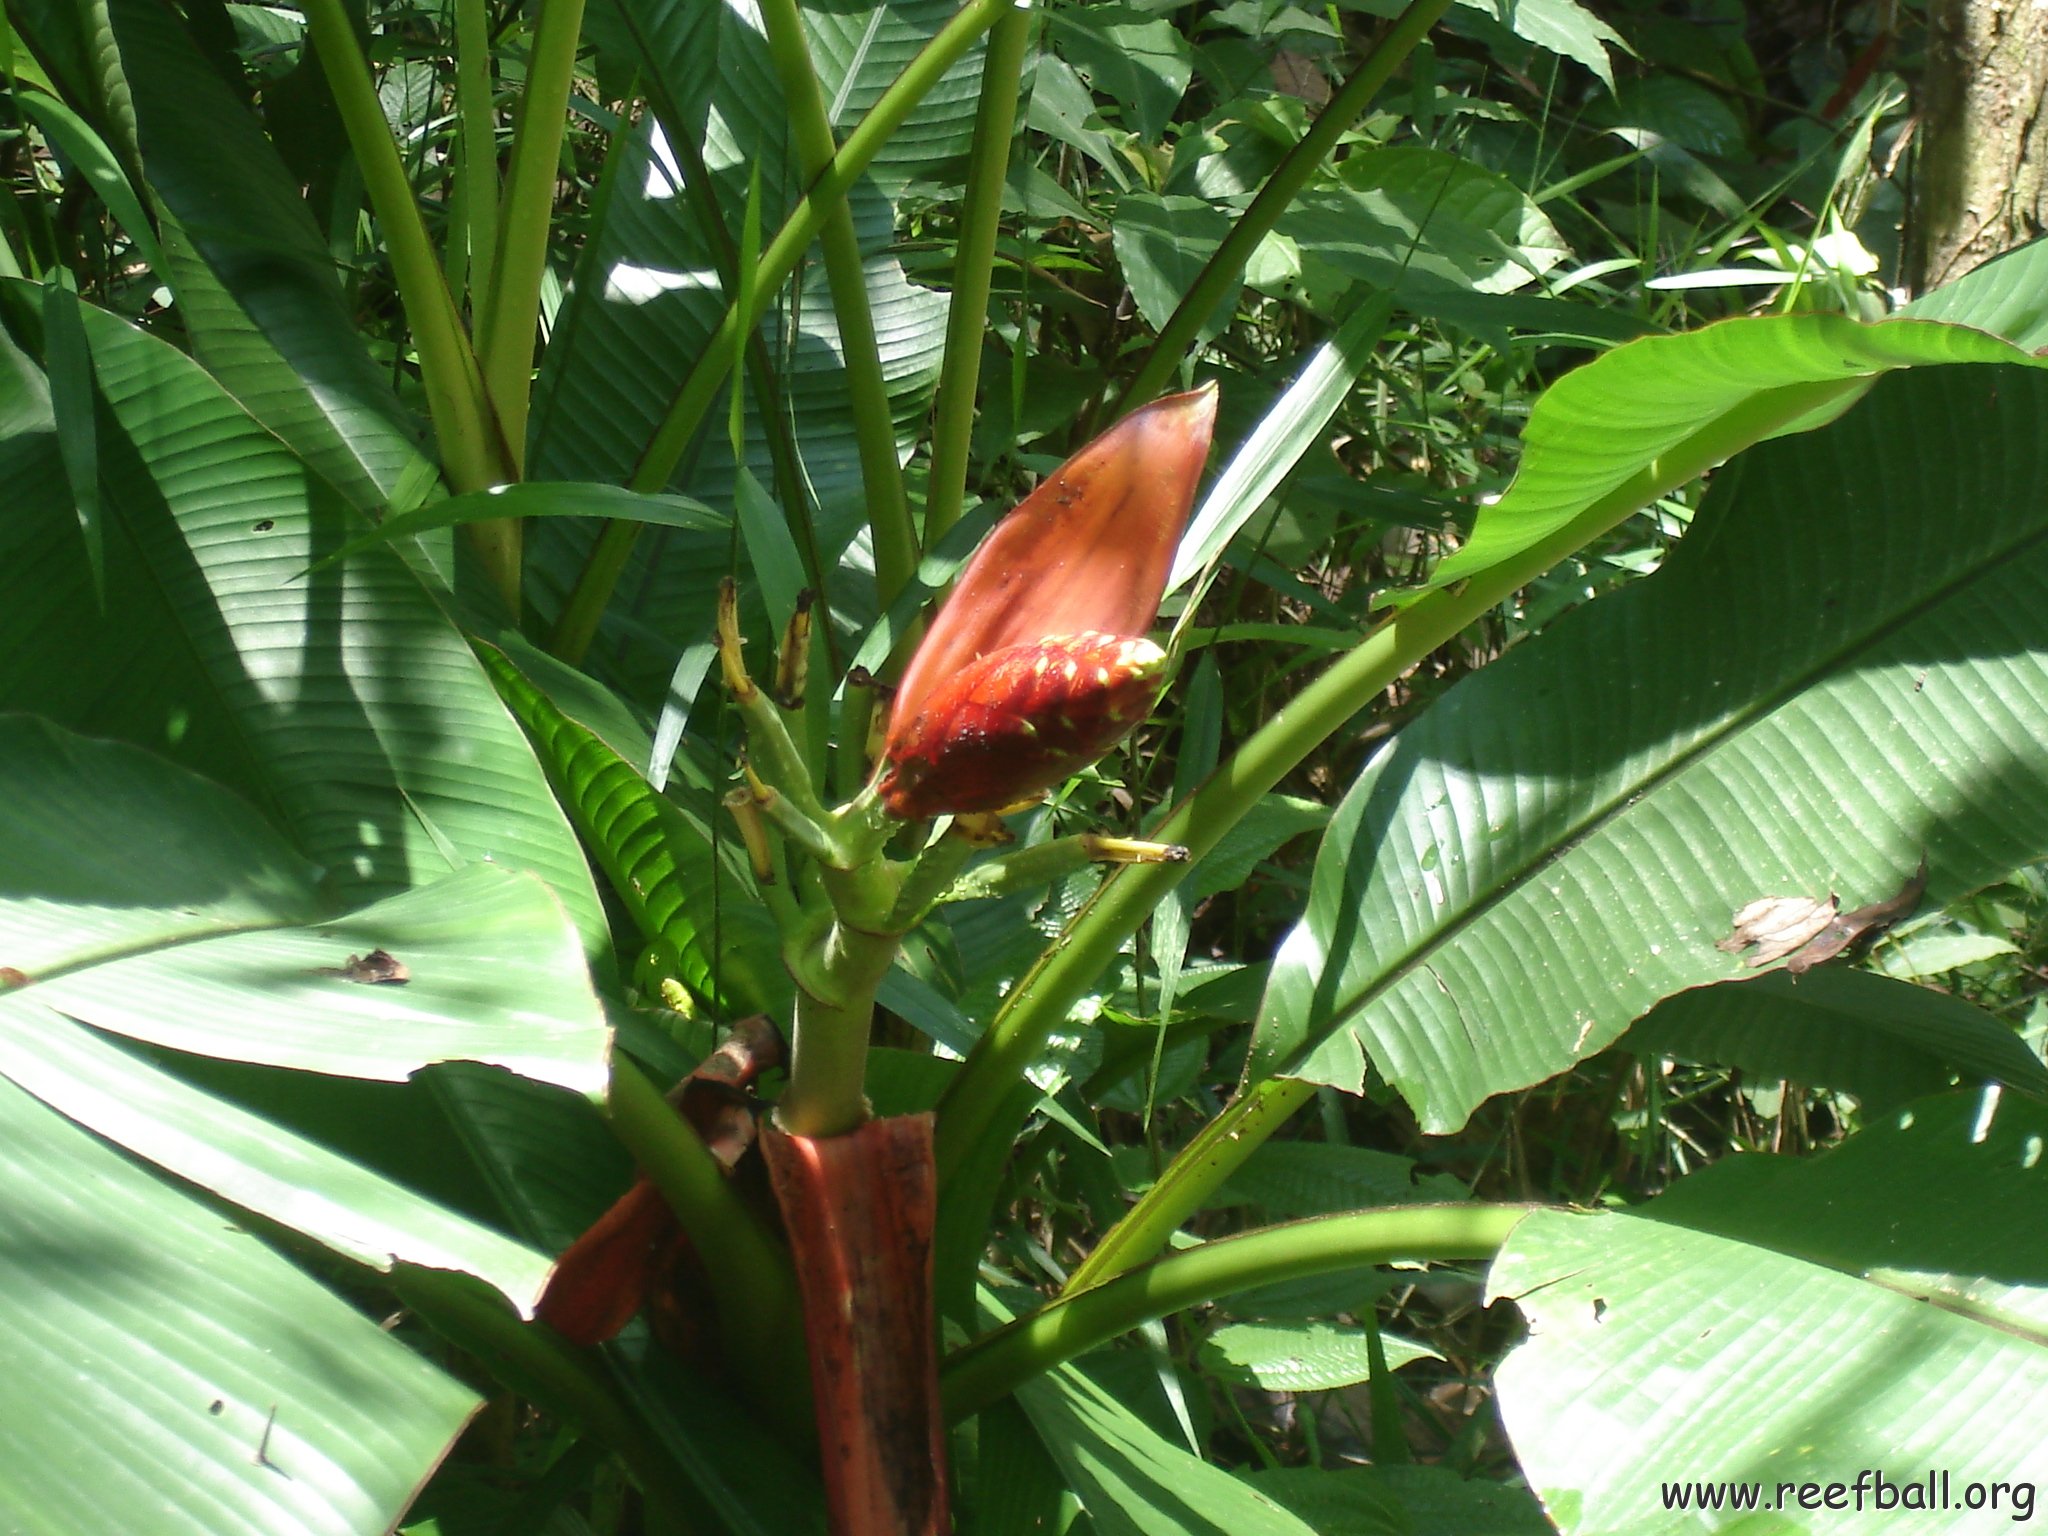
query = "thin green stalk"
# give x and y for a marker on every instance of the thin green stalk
(670, 1153)
(506, 327)
(685, 414)
(751, 1278)
(994, 1365)
(479, 165)
(1040, 1002)
(981, 212)
(874, 426)
(777, 429)
(1191, 1178)
(538, 1363)
(472, 452)
(1226, 267)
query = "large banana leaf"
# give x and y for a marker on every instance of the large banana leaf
(146, 901)
(1611, 433)
(346, 705)
(1885, 1041)
(257, 286)
(166, 1372)
(259, 1166)
(139, 897)
(650, 286)
(1843, 667)
(1770, 1329)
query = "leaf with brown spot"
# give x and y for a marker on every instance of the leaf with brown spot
(1861, 923)
(379, 968)
(1777, 925)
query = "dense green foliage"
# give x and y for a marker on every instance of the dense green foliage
(1594, 545)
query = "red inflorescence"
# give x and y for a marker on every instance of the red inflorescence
(1018, 721)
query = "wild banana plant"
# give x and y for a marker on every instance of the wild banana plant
(360, 888)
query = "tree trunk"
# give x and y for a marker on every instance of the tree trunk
(1981, 185)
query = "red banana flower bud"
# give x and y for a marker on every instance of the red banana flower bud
(1019, 720)
(1037, 664)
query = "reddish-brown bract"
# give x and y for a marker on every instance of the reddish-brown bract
(859, 1209)
(1018, 721)
(1088, 551)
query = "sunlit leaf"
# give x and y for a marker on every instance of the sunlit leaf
(1849, 654)
(168, 1373)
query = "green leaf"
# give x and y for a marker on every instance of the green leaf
(256, 282)
(708, 929)
(1679, 111)
(1311, 1178)
(1700, 1357)
(111, 851)
(1137, 60)
(1133, 1481)
(538, 498)
(1293, 424)
(1414, 219)
(168, 1373)
(1017, 1486)
(1315, 1356)
(149, 902)
(1850, 665)
(213, 1144)
(771, 551)
(1601, 431)
(1162, 245)
(73, 137)
(1260, 833)
(546, 1154)
(1924, 1200)
(496, 977)
(1402, 1501)
(71, 401)
(1936, 954)
(1564, 27)
(347, 707)
(1058, 105)
(1837, 1028)
(2007, 296)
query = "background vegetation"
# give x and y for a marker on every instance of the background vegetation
(288, 679)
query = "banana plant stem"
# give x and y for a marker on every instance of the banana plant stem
(835, 1004)
(535, 1363)
(479, 147)
(750, 1274)
(685, 414)
(505, 329)
(1223, 269)
(1191, 1178)
(996, 1364)
(981, 211)
(474, 454)
(1036, 1006)
(874, 425)
(447, 366)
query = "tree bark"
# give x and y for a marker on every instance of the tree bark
(1981, 185)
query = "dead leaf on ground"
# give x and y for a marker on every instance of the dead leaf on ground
(1297, 74)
